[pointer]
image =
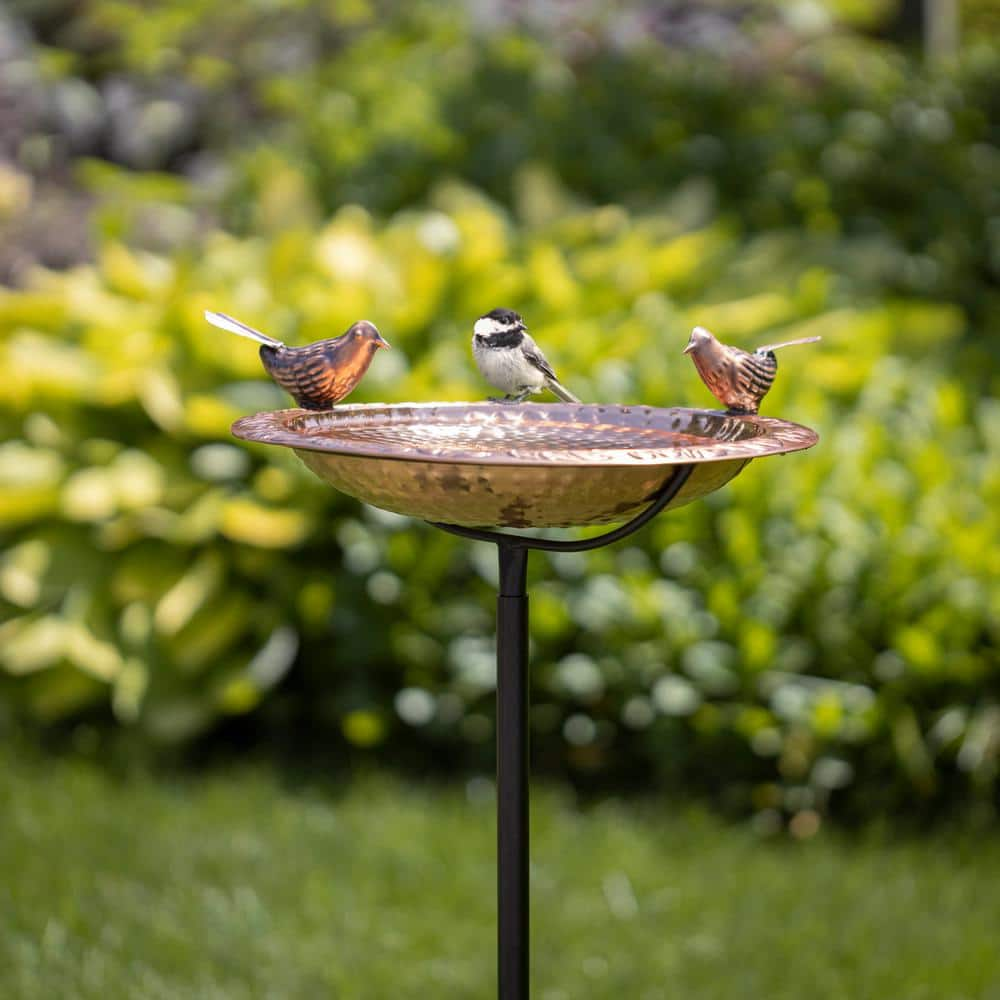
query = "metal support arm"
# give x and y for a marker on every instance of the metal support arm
(667, 492)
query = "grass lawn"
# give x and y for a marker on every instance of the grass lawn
(235, 884)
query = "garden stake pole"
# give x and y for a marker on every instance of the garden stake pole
(512, 725)
(512, 773)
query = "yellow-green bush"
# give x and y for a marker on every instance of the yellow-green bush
(827, 620)
(826, 626)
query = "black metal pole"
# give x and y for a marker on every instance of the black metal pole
(512, 774)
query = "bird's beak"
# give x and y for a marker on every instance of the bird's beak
(689, 348)
(380, 341)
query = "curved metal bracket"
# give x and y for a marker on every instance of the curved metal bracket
(668, 492)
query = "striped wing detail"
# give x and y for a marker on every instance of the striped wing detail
(755, 373)
(319, 375)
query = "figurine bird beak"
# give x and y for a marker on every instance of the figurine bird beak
(690, 347)
(380, 341)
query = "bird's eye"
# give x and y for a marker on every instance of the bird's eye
(357, 334)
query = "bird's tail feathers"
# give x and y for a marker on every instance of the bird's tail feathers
(787, 343)
(224, 322)
(564, 394)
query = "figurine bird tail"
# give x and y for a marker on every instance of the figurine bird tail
(224, 322)
(563, 393)
(787, 343)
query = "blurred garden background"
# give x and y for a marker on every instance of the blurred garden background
(219, 679)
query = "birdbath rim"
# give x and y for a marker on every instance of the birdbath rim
(528, 434)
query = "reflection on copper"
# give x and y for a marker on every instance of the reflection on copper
(533, 465)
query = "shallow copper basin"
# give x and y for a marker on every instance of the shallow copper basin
(529, 465)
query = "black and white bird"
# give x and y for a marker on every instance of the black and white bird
(511, 361)
(316, 375)
(738, 379)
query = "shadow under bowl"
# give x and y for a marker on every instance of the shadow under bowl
(533, 465)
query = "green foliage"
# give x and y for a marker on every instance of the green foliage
(828, 616)
(822, 631)
(372, 106)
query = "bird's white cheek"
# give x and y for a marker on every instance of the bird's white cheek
(485, 326)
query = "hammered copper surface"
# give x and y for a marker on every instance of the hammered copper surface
(531, 465)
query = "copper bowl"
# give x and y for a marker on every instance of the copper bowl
(535, 465)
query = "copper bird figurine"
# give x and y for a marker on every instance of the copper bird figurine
(738, 379)
(317, 375)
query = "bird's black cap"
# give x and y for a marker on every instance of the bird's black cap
(506, 316)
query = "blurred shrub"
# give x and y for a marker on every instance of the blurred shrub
(373, 105)
(822, 631)
(826, 625)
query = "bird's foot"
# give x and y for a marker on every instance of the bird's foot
(508, 399)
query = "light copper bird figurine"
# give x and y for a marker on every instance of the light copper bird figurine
(737, 378)
(317, 375)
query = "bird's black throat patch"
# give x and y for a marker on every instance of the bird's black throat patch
(502, 338)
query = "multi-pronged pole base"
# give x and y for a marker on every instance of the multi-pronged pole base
(512, 726)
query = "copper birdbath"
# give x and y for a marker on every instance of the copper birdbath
(531, 465)
(471, 467)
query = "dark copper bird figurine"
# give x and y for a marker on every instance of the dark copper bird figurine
(738, 379)
(317, 375)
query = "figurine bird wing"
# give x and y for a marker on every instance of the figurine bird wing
(318, 373)
(787, 343)
(224, 322)
(754, 373)
(533, 353)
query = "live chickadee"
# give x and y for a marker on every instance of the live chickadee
(738, 379)
(317, 375)
(510, 360)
